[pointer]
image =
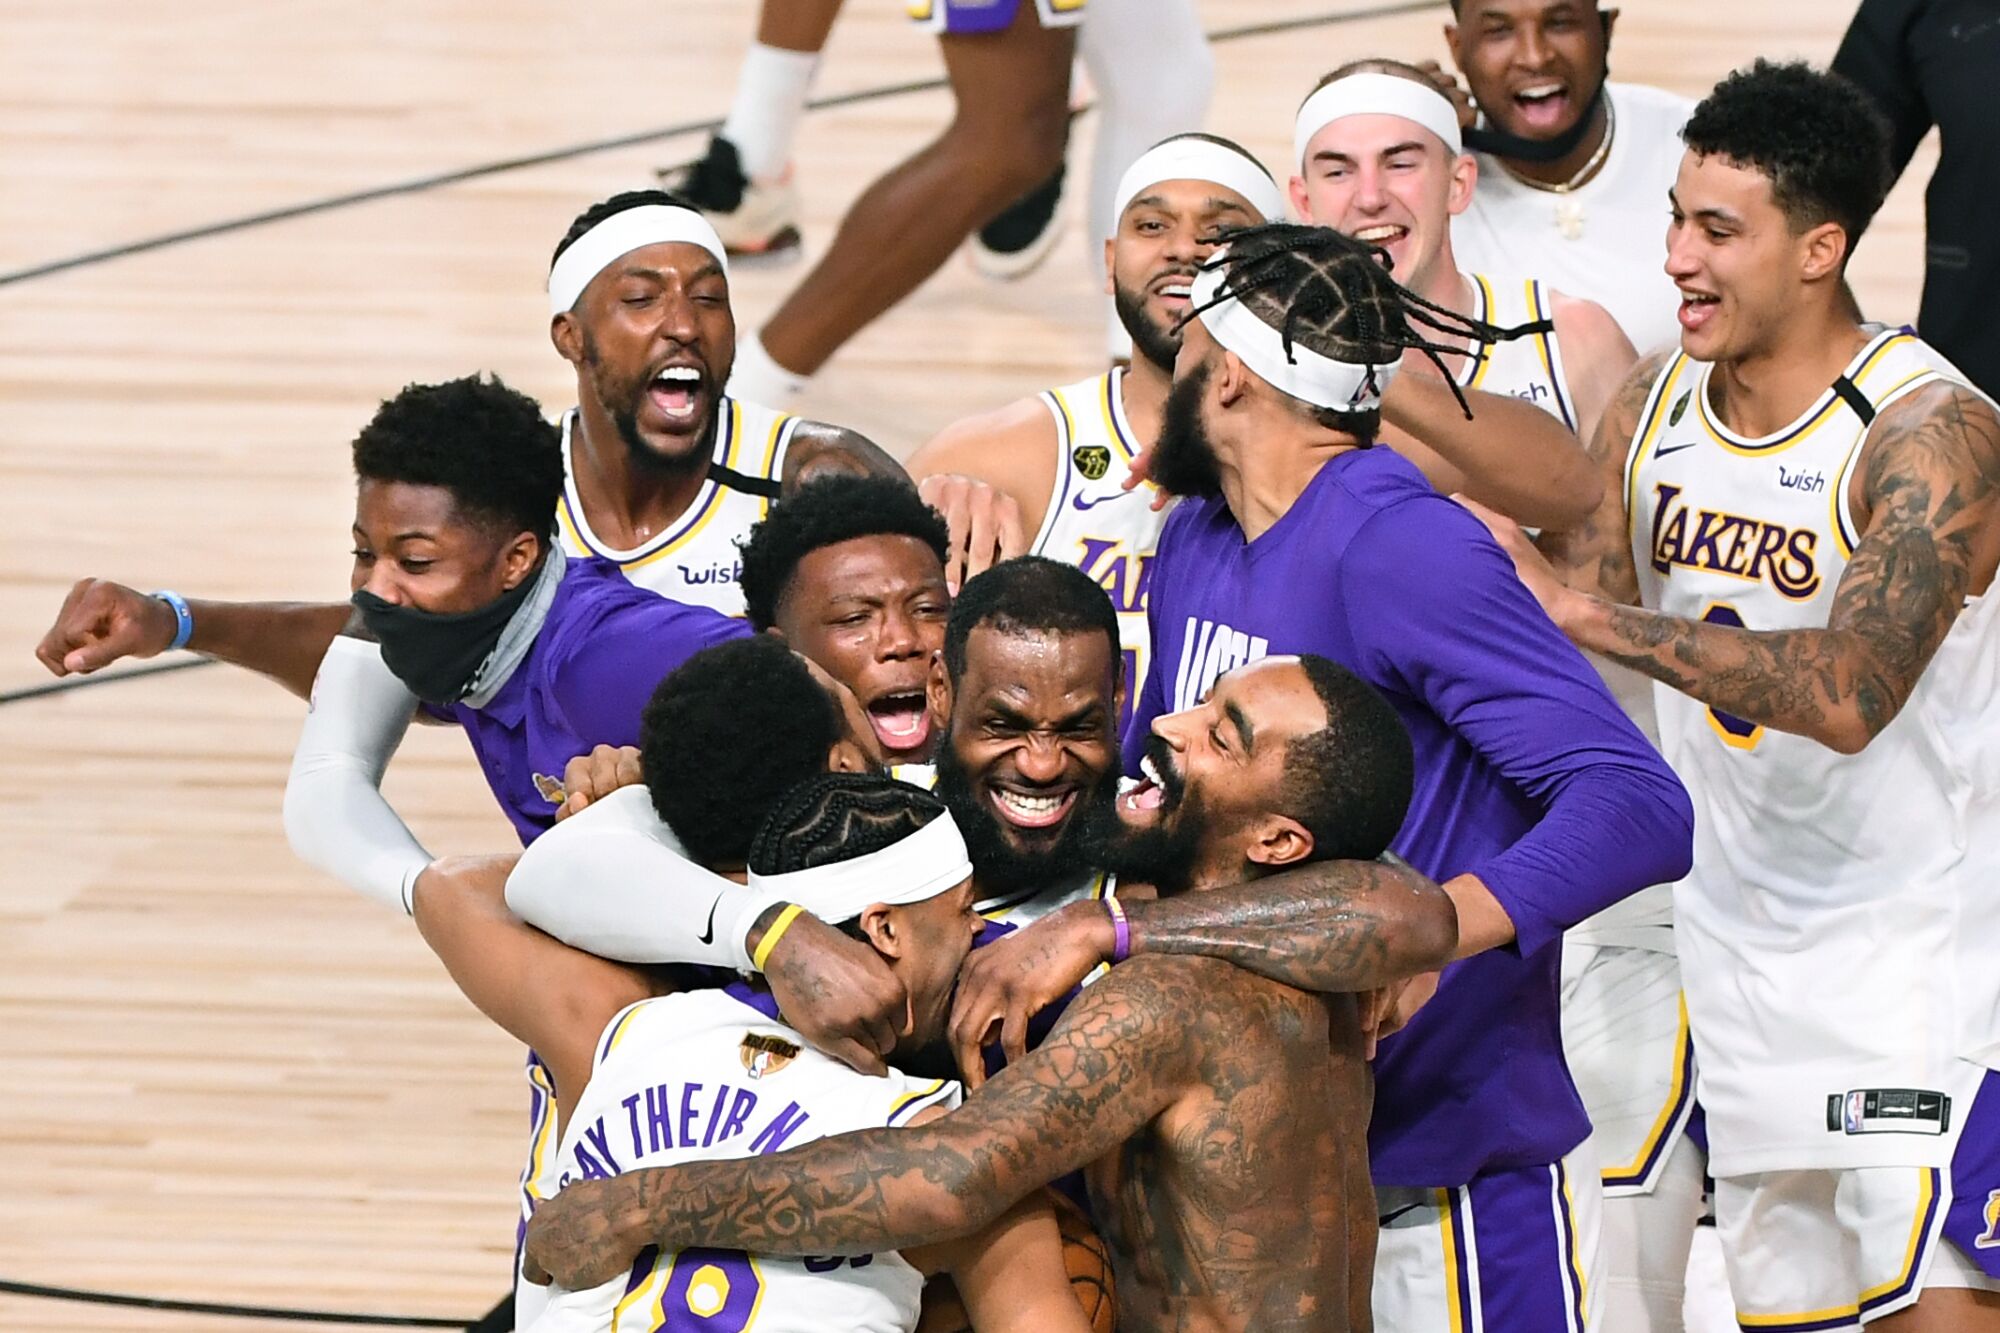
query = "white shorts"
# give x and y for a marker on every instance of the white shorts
(1625, 1035)
(1808, 1251)
(1513, 1250)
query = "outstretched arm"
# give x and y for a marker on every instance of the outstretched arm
(102, 622)
(1511, 454)
(1930, 524)
(1331, 927)
(1120, 1056)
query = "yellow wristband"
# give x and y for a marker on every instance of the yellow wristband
(773, 935)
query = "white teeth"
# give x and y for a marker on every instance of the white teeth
(680, 375)
(1540, 91)
(1381, 233)
(1148, 772)
(1030, 805)
(1176, 289)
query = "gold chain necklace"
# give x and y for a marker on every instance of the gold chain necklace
(1569, 213)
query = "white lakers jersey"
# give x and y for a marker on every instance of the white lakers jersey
(1529, 367)
(1832, 896)
(1092, 522)
(709, 1075)
(1029, 905)
(695, 560)
(1604, 241)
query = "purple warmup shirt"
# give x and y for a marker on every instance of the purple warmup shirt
(1527, 775)
(584, 683)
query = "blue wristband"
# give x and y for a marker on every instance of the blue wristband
(183, 618)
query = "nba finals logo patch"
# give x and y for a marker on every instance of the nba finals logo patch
(762, 1055)
(1680, 410)
(550, 788)
(1990, 1238)
(1092, 460)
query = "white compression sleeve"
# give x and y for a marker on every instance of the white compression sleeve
(613, 881)
(335, 817)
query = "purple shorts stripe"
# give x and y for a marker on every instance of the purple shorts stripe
(1566, 1218)
(1528, 1277)
(1972, 1223)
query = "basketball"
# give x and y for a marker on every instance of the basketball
(1084, 1256)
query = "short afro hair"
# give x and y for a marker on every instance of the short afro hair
(838, 816)
(616, 204)
(1029, 594)
(729, 732)
(1822, 143)
(486, 444)
(823, 513)
(1348, 783)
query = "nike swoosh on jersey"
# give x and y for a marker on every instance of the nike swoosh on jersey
(1662, 453)
(707, 935)
(1082, 504)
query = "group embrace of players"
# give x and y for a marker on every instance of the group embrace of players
(832, 799)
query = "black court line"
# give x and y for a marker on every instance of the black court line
(69, 683)
(218, 1308)
(418, 184)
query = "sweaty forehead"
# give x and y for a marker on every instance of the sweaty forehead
(394, 508)
(1042, 668)
(1275, 696)
(682, 259)
(1362, 137)
(878, 565)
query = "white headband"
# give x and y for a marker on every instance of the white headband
(619, 235)
(1186, 157)
(919, 867)
(1375, 95)
(1320, 380)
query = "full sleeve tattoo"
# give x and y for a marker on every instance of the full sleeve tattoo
(1931, 488)
(1331, 927)
(1120, 1056)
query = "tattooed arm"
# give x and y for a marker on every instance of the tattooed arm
(1120, 1056)
(1929, 512)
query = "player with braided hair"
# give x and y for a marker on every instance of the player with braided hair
(1536, 802)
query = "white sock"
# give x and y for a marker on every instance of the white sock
(771, 92)
(758, 379)
(1150, 63)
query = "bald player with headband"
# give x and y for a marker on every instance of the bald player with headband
(1059, 474)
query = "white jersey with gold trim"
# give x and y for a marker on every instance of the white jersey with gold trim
(695, 560)
(1604, 241)
(1836, 932)
(1092, 521)
(1031, 905)
(709, 1075)
(1530, 367)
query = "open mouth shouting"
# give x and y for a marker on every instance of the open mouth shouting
(1697, 309)
(1171, 292)
(678, 391)
(1159, 789)
(902, 720)
(1544, 106)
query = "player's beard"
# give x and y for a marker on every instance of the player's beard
(1159, 346)
(1000, 867)
(621, 398)
(1165, 852)
(1184, 461)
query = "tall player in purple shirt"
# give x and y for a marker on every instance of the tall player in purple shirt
(1536, 804)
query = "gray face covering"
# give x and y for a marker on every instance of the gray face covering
(1484, 138)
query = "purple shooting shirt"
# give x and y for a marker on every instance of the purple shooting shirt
(586, 679)
(1527, 775)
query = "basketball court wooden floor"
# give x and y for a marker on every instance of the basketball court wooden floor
(226, 1078)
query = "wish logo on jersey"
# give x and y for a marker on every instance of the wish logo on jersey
(721, 572)
(1209, 650)
(1733, 544)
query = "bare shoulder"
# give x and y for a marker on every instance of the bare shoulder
(1621, 415)
(1586, 330)
(1007, 439)
(1933, 456)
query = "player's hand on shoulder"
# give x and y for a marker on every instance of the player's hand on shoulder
(1530, 564)
(1389, 1009)
(101, 622)
(985, 522)
(1454, 91)
(590, 778)
(1008, 982)
(576, 1238)
(838, 993)
(1140, 473)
